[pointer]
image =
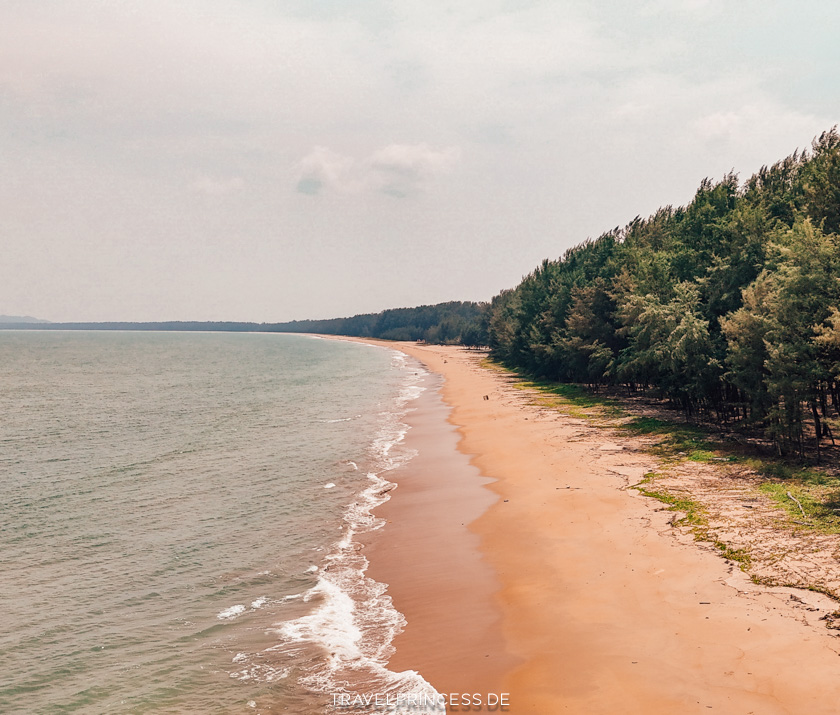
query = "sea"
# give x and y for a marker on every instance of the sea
(179, 521)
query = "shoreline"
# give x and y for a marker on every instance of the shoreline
(603, 606)
(431, 559)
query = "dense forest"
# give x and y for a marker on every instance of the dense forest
(728, 307)
(462, 323)
(454, 322)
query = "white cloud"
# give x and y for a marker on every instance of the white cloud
(757, 127)
(401, 169)
(398, 170)
(324, 168)
(574, 116)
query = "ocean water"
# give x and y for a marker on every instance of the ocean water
(177, 521)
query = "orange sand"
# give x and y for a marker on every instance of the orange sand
(432, 563)
(603, 607)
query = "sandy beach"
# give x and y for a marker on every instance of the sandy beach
(525, 565)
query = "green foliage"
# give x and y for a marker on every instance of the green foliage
(678, 440)
(740, 556)
(577, 396)
(728, 307)
(694, 513)
(820, 503)
(821, 182)
(446, 323)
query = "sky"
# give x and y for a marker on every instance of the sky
(270, 160)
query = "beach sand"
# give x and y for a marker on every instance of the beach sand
(525, 565)
(432, 561)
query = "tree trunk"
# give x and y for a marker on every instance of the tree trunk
(817, 427)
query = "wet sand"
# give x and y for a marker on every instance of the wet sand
(431, 560)
(577, 588)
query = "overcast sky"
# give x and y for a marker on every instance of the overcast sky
(271, 160)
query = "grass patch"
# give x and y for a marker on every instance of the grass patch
(701, 455)
(489, 364)
(790, 472)
(678, 441)
(576, 395)
(820, 502)
(739, 556)
(647, 425)
(695, 518)
(816, 490)
(693, 510)
(576, 400)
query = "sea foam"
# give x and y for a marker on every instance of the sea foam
(354, 622)
(231, 612)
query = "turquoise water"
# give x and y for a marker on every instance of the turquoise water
(177, 513)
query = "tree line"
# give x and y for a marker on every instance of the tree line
(455, 322)
(729, 307)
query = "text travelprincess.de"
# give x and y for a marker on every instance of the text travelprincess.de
(423, 702)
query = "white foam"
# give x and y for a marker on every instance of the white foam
(346, 541)
(259, 603)
(331, 624)
(311, 569)
(354, 622)
(342, 626)
(231, 612)
(329, 486)
(261, 672)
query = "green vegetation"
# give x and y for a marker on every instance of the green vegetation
(693, 510)
(454, 322)
(695, 518)
(740, 556)
(574, 398)
(728, 307)
(789, 485)
(809, 495)
(676, 441)
(809, 504)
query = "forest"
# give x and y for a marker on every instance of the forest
(456, 322)
(728, 307)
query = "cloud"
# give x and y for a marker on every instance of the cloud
(759, 126)
(398, 170)
(571, 117)
(323, 168)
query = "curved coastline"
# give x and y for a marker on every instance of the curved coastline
(600, 606)
(430, 557)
